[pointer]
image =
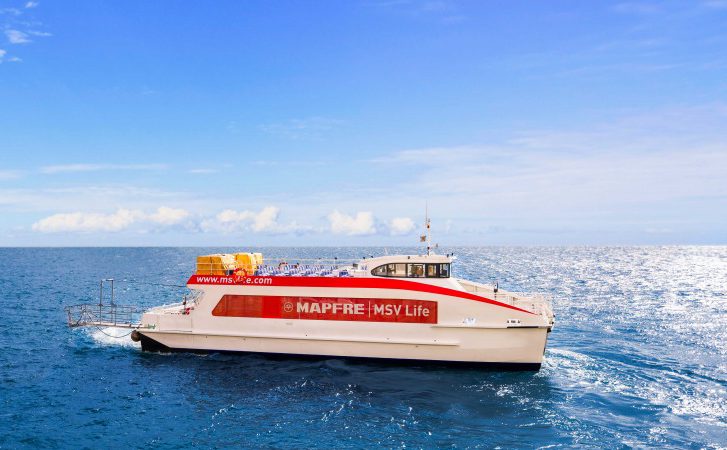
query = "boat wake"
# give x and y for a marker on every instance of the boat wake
(656, 388)
(112, 337)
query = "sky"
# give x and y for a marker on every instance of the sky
(337, 123)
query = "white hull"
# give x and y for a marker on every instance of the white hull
(494, 346)
(458, 327)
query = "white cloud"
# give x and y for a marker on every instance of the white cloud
(120, 220)
(97, 167)
(263, 221)
(401, 225)
(266, 220)
(202, 171)
(17, 37)
(361, 224)
(4, 53)
(31, 4)
(88, 222)
(9, 174)
(228, 221)
(169, 216)
(11, 11)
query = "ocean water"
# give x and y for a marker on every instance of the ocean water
(638, 358)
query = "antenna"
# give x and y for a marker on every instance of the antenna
(428, 225)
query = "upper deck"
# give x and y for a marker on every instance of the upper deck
(389, 266)
(432, 269)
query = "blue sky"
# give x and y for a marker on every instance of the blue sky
(333, 123)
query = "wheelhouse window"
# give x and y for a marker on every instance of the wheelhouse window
(400, 270)
(432, 270)
(390, 270)
(444, 270)
(416, 270)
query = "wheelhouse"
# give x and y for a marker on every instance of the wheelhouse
(412, 270)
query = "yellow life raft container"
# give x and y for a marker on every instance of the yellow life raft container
(246, 262)
(218, 264)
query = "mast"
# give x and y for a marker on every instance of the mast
(427, 238)
(428, 225)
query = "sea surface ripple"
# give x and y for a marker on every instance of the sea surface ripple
(638, 358)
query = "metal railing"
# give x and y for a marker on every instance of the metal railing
(102, 315)
(283, 268)
(536, 303)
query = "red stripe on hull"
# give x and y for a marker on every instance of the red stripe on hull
(343, 282)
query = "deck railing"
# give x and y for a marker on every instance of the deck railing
(282, 268)
(536, 303)
(102, 315)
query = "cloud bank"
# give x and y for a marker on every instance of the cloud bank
(229, 221)
(88, 222)
(120, 220)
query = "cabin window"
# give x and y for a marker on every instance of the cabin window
(432, 270)
(412, 270)
(438, 270)
(390, 270)
(416, 270)
(444, 270)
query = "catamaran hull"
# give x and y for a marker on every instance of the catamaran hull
(512, 349)
(349, 318)
(403, 308)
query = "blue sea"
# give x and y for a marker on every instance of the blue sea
(638, 358)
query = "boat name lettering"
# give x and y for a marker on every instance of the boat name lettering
(334, 308)
(395, 310)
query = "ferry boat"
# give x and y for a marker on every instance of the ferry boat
(391, 307)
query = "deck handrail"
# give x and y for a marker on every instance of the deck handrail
(283, 268)
(101, 315)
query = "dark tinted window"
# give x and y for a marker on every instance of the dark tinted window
(390, 270)
(381, 271)
(412, 270)
(444, 270)
(432, 270)
(416, 270)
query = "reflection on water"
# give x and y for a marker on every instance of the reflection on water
(637, 358)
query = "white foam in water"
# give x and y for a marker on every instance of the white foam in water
(113, 336)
